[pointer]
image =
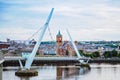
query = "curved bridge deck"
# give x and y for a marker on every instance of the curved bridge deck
(13, 61)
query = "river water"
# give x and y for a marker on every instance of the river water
(97, 72)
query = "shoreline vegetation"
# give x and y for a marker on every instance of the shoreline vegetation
(105, 55)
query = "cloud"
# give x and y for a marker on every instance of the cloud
(94, 19)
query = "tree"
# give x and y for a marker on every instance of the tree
(81, 53)
(119, 55)
(114, 53)
(87, 55)
(107, 54)
(95, 54)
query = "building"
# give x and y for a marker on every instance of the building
(4, 45)
(59, 50)
(64, 48)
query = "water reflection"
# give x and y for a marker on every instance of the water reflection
(97, 72)
(69, 71)
(24, 78)
(57, 73)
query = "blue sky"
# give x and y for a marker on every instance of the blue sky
(86, 19)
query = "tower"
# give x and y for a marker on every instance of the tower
(58, 43)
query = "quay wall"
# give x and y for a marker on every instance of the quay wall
(40, 62)
(111, 61)
(58, 62)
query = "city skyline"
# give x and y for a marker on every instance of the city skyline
(86, 20)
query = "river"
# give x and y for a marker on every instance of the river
(97, 72)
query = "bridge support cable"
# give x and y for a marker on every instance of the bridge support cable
(50, 34)
(34, 33)
(32, 55)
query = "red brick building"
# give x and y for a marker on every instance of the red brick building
(4, 45)
(63, 48)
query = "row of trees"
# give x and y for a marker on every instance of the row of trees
(113, 53)
(106, 54)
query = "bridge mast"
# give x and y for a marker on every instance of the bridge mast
(76, 50)
(32, 55)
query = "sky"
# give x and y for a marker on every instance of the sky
(86, 20)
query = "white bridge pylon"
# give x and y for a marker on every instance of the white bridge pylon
(41, 34)
(74, 46)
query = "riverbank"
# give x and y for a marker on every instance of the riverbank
(38, 62)
(108, 60)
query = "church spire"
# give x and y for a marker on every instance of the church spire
(59, 34)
